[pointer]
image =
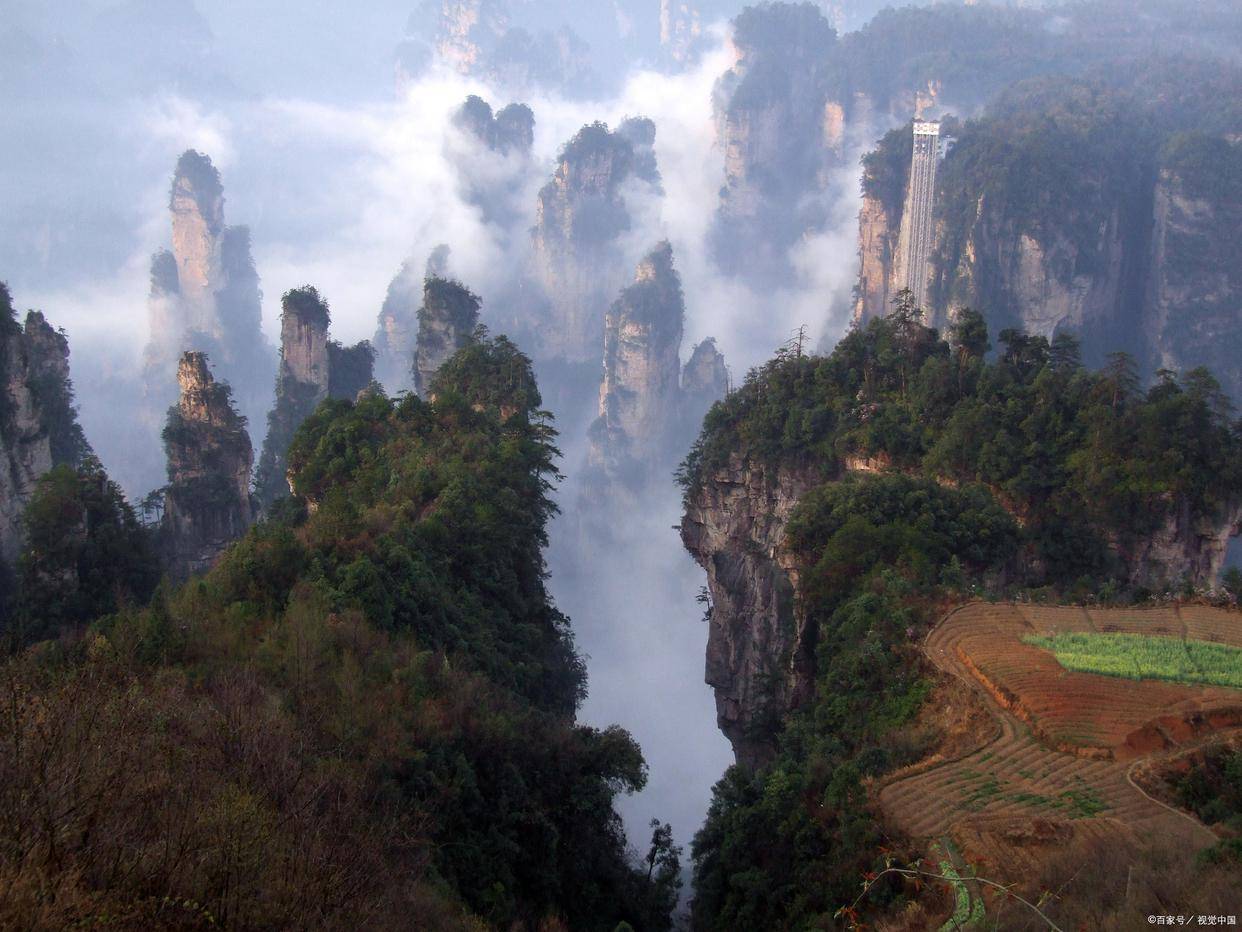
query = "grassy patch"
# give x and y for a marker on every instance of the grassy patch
(982, 794)
(1138, 657)
(1083, 803)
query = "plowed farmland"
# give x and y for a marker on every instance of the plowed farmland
(1057, 774)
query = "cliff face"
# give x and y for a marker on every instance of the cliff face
(734, 527)
(1127, 255)
(581, 215)
(38, 424)
(205, 293)
(24, 444)
(1194, 292)
(1186, 546)
(684, 28)
(1039, 278)
(312, 368)
(640, 396)
(797, 101)
(877, 244)
(304, 343)
(207, 502)
(704, 381)
(397, 330)
(446, 322)
(780, 125)
(197, 207)
(1074, 206)
(680, 29)
(1046, 282)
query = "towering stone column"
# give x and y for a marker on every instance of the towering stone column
(196, 203)
(446, 321)
(396, 331)
(650, 408)
(312, 368)
(38, 424)
(205, 294)
(639, 397)
(704, 381)
(207, 502)
(304, 341)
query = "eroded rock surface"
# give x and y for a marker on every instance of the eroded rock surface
(312, 367)
(207, 502)
(38, 424)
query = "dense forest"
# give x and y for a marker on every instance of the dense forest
(362, 716)
(1015, 473)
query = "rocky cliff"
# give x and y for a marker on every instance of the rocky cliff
(778, 135)
(704, 381)
(207, 501)
(312, 367)
(799, 99)
(684, 28)
(640, 396)
(1186, 546)
(734, 527)
(1031, 267)
(1051, 443)
(205, 293)
(446, 322)
(582, 213)
(396, 331)
(38, 423)
(885, 190)
(1193, 302)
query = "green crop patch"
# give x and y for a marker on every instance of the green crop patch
(1138, 657)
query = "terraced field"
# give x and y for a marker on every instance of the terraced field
(1085, 713)
(1057, 776)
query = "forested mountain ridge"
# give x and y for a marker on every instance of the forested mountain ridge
(364, 713)
(837, 504)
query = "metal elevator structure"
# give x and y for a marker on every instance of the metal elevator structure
(921, 213)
